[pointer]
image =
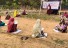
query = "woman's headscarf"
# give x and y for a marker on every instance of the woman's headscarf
(10, 24)
(49, 6)
(66, 14)
(11, 20)
(37, 27)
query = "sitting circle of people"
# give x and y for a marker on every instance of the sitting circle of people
(37, 28)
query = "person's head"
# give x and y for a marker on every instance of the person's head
(11, 19)
(37, 25)
(24, 11)
(6, 12)
(49, 5)
(38, 21)
(60, 23)
(62, 20)
(62, 15)
(65, 12)
(8, 15)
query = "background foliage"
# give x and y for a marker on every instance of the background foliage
(11, 4)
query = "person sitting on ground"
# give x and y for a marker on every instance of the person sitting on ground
(24, 13)
(7, 16)
(18, 15)
(1, 22)
(63, 20)
(61, 27)
(65, 14)
(37, 29)
(12, 26)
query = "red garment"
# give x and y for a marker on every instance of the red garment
(49, 11)
(0, 18)
(11, 25)
(24, 12)
(65, 14)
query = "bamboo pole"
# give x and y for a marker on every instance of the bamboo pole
(41, 6)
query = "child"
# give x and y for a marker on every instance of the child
(7, 16)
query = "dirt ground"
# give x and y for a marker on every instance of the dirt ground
(53, 40)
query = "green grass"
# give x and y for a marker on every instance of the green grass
(58, 41)
(42, 16)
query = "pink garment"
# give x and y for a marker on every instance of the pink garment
(63, 27)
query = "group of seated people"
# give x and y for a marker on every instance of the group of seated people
(12, 24)
(63, 23)
(37, 28)
(19, 14)
(12, 27)
(16, 14)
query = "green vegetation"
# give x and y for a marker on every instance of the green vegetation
(42, 16)
(58, 41)
(16, 4)
(64, 4)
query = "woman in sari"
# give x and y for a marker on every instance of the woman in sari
(61, 27)
(24, 13)
(37, 29)
(12, 27)
(49, 11)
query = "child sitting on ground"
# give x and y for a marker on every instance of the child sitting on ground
(24, 13)
(7, 16)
